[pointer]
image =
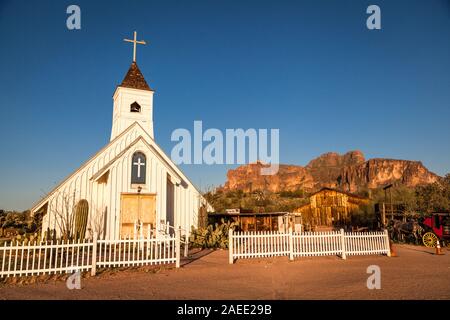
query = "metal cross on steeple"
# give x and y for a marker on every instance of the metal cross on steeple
(134, 41)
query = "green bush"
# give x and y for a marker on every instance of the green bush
(292, 194)
(256, 201)
(212, 236)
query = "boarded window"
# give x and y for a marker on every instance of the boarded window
(138, 168)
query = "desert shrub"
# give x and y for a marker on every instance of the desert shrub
(17, 220)
(213, 236)
(364, 217)
(256, 201)
(434, 197)
(292, 194)
(27, 238)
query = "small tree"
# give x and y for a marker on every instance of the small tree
(97, 222)
(433, 197)
(62, 206)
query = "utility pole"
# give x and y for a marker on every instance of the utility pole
(388, 187)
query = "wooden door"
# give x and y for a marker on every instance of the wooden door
(137, 207)
(147, 212)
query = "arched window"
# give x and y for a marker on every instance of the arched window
(135, 107)
(138, 168)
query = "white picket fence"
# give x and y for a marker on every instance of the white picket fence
(270, 244)
(259, 244)
(317, 244)
(365, 243)
(27, 259)
(132, 252)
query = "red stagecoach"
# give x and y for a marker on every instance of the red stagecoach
(437, 226)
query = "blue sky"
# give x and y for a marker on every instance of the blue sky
(310, 68)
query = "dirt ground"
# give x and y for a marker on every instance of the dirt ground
(415, 274)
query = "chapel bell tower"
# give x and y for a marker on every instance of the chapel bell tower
(133, 100)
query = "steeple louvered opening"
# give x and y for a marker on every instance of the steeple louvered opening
(135, 107)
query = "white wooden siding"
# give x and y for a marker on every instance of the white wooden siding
(100, 195)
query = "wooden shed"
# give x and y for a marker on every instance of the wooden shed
(330, 207)
(252, 221)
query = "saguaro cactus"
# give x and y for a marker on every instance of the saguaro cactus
(81, 218)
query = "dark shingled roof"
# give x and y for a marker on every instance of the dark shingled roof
(134, 79)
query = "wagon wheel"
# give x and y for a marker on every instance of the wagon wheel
(429, 239)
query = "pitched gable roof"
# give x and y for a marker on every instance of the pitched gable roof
(147, 140)
(41, 202)
(340, 191)
(134, 79)
(155, 151)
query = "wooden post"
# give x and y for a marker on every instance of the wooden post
(186, 246)
(230, 246)
(149, 243)
(388, 246)
(94, 255)
(177, 247)
(291, 244)
(344, 256)
(390, 201)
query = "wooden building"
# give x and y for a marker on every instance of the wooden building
(266, 221)
(131, 179)
(331, 208)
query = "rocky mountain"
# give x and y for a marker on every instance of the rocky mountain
(350, 172)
